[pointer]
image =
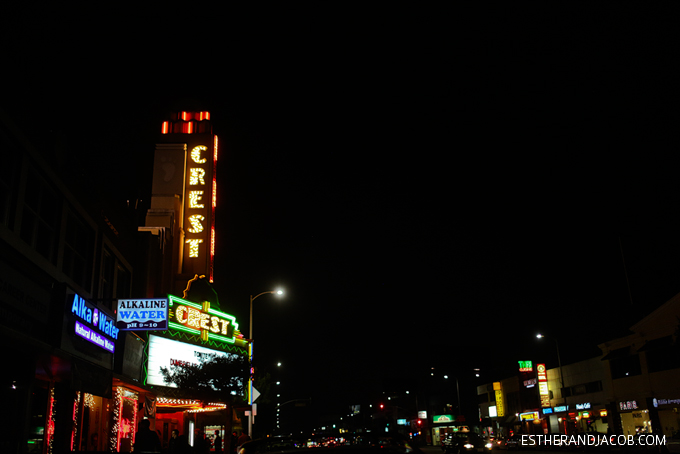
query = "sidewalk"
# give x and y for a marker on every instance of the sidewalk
(431, 449)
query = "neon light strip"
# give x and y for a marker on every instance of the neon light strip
(179, 327)
(222, 338)
(214, 204)
(173, 298)
(120, 420)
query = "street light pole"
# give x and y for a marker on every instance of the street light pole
(559, 363)
(457, 393)
(250, 333)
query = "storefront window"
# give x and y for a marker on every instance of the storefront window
(38, 421)
(123, 417)
(636, 422)
(94, 423)
(49, 430)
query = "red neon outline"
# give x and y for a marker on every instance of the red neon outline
(120, 422)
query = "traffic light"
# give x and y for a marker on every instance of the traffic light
(420, 422)
(382, 406)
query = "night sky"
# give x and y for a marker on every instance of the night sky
(431, 188)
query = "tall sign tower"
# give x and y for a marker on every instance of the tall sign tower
(183, 196)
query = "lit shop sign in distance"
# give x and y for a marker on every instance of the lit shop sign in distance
(142, 314)
(543, 391)
(529, 416)
(525, 366)
(201, 320)
(93, 325)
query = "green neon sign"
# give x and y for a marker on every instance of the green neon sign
(201, 320)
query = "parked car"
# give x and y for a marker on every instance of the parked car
(513, 442)
(673, 442)
(270, 445)
(457, 443)
(499, 443)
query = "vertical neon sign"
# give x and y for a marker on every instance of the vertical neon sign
(212, 219)
(200, 189)
(543, 390)
(195, 200)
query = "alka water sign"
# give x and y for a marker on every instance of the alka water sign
(94, 325)
(142, 314)
(201, 320)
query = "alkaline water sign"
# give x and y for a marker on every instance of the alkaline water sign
(93, 325)
(142, 314)
(94, 337)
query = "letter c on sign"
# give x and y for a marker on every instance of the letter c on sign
(181, 315)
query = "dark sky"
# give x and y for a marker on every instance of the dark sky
(430, 187)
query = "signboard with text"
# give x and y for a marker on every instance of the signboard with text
(525, 366)
(89, 331)
(543, 391)
(500, 409)
(142, 314)
(201, 320)
(165, 352)
(199, 209)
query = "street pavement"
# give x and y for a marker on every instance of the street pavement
(431, 449)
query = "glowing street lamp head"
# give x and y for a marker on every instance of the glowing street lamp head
(539, 335)
(279, 292)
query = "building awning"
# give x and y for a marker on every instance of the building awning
(618, 353)
(509, 420)
(656, 343)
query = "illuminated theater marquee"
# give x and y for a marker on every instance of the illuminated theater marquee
(201, 320)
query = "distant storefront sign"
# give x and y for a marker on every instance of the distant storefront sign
(443, 418)
(628, 405)
(498, 392)
(530, 383)
(529, 416)
(656, 402)
(525, 366)
(142, 314)
(543, 391)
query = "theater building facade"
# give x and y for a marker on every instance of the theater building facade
(82, 377)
